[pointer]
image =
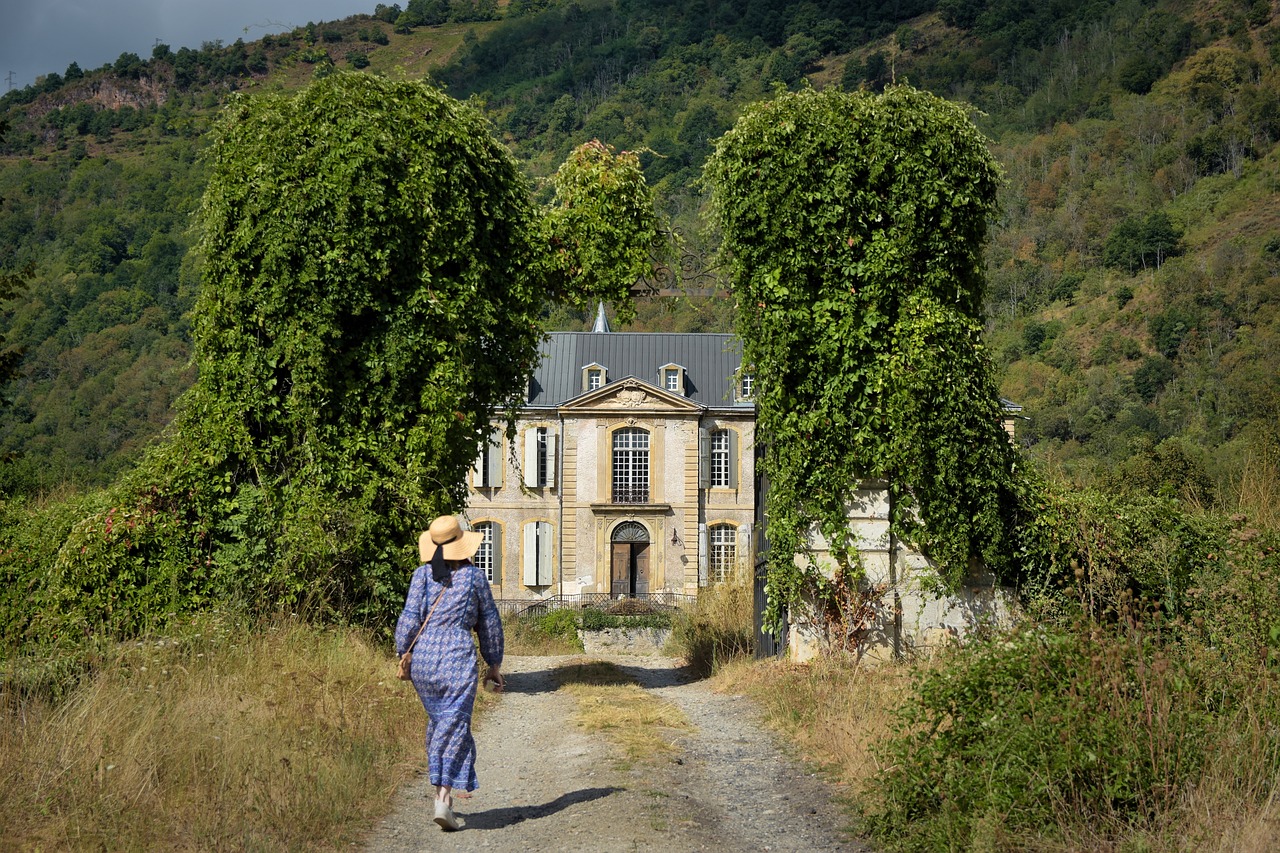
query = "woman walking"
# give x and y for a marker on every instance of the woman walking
(452, 597)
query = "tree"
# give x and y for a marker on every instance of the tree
(374, 271)
(853, 227)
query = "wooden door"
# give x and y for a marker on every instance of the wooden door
(620, 569)
(640, 568)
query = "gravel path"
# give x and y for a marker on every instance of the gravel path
(548, 786)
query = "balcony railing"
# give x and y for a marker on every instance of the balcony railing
(630, 496)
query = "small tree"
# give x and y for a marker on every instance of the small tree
(853, 225)
(374, 273)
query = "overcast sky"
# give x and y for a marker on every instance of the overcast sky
(39, 36)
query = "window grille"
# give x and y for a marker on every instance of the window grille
(631, 466)
(724, 551)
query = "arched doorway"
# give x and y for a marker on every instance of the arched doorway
(629, 559)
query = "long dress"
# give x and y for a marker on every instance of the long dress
(444, 664)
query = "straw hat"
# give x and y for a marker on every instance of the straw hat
(458, 544)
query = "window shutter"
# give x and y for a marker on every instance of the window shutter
(544, 554)
(496, 444)
(742, 549)
(704, 459)
(702, 555)
(530, 556)
(551, 459)
(478, 469)
(531, 457)
(733, 458)
(495, 532)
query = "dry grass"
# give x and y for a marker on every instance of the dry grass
(640, 725)
(287, 737)
(718, 628)
(833, 709)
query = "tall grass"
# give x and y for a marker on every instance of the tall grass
(285, 737)
(718, 628)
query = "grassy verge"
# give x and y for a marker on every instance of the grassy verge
(555, 633)
(639, 725)
(834, 710)
(284, 737)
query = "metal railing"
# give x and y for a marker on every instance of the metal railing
(630, 496)
(647, 602)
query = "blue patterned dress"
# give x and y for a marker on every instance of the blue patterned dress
(444, 664)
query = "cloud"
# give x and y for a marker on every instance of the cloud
(40, 36)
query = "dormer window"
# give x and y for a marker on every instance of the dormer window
(746, 385)
(593, 376)
(672, 378)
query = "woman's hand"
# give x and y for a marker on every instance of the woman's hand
(494, 681)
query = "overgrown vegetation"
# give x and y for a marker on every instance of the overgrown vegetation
(373, 272)
(555, 633)
(717, 629)
(853, 228)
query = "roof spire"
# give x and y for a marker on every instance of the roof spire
(602, 322)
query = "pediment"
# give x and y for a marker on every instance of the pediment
(631, 394)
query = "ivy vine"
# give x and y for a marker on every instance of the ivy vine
(853, 226)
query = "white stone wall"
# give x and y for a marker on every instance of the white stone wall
(928, 622)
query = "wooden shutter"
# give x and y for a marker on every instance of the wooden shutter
(733, 458)
(478, 469)
(704, 459)
(702, 555)
(495, 532)
(496, 443)
(742, 548)
(530, 556)
(531, 457)
(551, 459)
(544, 554)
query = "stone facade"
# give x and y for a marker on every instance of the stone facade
(610, 490)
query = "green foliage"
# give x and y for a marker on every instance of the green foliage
(1136, 243)
(1094, 726)
(1092, 550)
(1152, 375)
(595, 620)
(853, 226)
(602, 229)
(371, 294)
(1024, 733)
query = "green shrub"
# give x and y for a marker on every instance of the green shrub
(595, 620)
(1043, 728)
(554, 633)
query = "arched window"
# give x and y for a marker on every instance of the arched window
(723, 554)
(631, 466)
(488, 556)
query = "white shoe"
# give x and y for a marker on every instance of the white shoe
(445, 817)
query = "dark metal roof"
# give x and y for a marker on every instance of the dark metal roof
(710, 361)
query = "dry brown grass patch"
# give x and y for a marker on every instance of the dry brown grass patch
(286, 737)
(638, 723)
(834, 709)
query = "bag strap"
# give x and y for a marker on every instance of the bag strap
(425, 621)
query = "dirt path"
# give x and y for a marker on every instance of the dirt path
(547, 786)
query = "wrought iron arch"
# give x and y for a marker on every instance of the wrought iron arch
(630, 531)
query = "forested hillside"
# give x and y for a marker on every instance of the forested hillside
(1134, 271)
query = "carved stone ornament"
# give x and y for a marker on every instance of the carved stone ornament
(632, 397)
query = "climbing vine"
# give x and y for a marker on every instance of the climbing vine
(374, 272)
(853, 226)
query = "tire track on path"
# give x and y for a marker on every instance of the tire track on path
(548, 786)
